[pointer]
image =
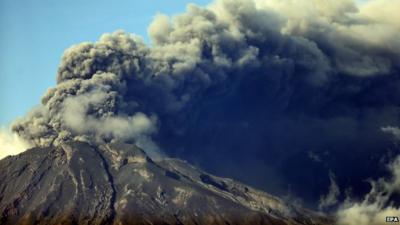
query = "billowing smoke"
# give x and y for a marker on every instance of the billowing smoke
(255, 84)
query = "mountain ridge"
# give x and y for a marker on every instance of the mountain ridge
(118, 183)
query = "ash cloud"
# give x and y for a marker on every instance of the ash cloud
(240, 81)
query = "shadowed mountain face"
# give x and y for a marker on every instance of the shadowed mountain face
(77, 183)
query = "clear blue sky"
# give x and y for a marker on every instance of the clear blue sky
(34, 34)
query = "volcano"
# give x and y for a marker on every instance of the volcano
(118, 183)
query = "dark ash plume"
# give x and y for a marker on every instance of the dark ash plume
(255, 81)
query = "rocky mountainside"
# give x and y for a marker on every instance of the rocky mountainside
(78, 183)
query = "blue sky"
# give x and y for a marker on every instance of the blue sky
(34, 34)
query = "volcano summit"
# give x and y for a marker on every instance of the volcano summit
(78, 183)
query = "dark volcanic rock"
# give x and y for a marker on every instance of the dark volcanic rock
(77, 183)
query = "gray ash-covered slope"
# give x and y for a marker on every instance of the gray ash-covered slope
(78, 183)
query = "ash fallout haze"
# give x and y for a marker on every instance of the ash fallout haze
(297, 98)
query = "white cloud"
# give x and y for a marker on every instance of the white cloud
(10, 143)
(124, 127)
(395, 131)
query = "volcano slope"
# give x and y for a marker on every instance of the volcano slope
(79, 183)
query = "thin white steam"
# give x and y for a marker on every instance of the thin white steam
(376, 205)
(331, 198)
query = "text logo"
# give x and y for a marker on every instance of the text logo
(392, 219)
